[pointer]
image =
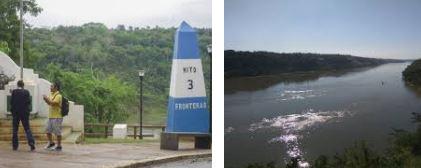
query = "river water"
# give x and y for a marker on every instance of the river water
(275, 118)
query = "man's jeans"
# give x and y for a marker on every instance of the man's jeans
(25, 123)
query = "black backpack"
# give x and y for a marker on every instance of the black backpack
(64, 106)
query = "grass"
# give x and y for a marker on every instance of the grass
(154, 114)
(117, 141)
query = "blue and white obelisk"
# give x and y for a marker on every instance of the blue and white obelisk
(187, 106)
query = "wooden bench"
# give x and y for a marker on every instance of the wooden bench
(170, 140)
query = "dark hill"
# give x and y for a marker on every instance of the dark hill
(412, 73)
(245, 63)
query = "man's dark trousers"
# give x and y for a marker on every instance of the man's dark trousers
(26, 127)
(20, 104)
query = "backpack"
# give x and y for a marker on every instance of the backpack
(64, 106)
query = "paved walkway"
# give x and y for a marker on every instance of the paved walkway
(92, 155)
(189, 163)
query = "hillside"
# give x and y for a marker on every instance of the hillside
(412, 73)
(244, 63)
(98, 67)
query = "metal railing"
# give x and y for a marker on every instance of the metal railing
(106, 129)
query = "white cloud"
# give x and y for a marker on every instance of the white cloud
(138, 13)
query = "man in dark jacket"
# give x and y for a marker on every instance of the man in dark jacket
(20, 104)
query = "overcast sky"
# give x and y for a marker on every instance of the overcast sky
(371, 28)
(138, 13)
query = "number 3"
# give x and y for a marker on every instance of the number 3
(190, 84)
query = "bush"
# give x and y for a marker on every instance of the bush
(412, 73)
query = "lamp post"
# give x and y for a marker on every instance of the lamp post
(141, 74)
(21, 39)
(209, 48)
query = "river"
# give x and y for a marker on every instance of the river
(307, 115)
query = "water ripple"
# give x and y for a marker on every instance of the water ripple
(300, 94)
(294, 126)
(229, 130)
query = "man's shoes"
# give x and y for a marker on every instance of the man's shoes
(15, 149)
(50, 146)
(57, 148)
(32, 148)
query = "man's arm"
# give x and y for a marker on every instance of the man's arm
(12, 102)
(53, 102)
(28, 100)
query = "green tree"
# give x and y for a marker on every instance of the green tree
(10, 22)
(102, 53)
(412, 73)
(404, 151)
(105, 100)
(4, 47)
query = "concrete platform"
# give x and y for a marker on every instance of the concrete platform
(38, 132)
(94, 155)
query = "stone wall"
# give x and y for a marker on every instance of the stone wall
(3, 104)
(75, 118)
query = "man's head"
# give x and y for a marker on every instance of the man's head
(21, 84)
(55, 87)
